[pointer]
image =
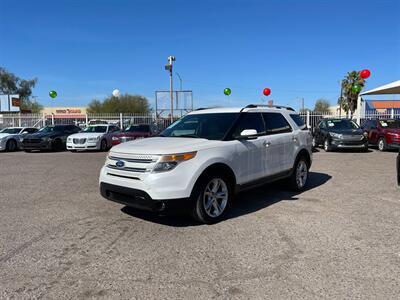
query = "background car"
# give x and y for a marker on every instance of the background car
(51, 137)
(339, 134)
(10, 138)
(133, 132)
(383, 133)
(97, 137)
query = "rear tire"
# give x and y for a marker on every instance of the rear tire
(382, 144)
(299, 177)
(11, 146)
(212, 196)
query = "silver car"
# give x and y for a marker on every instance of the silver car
(10, 137)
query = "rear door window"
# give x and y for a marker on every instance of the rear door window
(299, 121)
(276, 123)
(249, 121)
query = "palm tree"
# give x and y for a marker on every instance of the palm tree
(349, 94)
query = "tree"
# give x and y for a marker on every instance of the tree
(349, 94)
(12, 84)
(322, 105)
(124, 104)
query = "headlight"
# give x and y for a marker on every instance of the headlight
(45, 139)
(392, 134)
(115, 138)
(336, 135)
(169, 162)
(69, 139)
(93, 139)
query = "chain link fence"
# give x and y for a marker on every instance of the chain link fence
(83, 120)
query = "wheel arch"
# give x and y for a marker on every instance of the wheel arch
(304, 153)
(217, 167)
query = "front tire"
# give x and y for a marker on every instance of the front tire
(103, 145)
(314, 142)
(299, 177)
(212, 198)
(11, 146)
(57, 145)
(382, 144)
(327, 146)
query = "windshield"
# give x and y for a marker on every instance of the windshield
(341, 124)
(52, 129)
(206, 126)
(95, 129)
(392, 124)
(138, 128)
(11, 130)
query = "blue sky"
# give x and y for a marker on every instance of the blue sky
(85, 49)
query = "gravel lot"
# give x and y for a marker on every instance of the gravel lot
(60, 239)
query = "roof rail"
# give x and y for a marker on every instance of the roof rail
(265, 105)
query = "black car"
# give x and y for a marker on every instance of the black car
(339, 134)
(51, 137)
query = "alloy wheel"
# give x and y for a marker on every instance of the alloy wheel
(215, 197)
(326, 145)
(381, 145)
(301, 174)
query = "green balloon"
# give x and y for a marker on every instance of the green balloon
(227, 91)
(53, 94)
(356, 88)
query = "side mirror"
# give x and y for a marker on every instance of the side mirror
(248, 134)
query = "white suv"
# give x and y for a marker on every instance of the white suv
(199, 162)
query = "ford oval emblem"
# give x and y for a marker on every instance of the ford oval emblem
(120, 164)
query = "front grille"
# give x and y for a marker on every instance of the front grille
(353, 137)
(138, 170)
(79, 141)
(31, 141)
(145, 159)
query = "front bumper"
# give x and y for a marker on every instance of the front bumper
(141, 200)
(36, 146)
(85, 146)
(3, 144)
(394, 145)
(349, 144)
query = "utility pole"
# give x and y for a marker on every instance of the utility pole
(168, 67)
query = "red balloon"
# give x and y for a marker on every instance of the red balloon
(266, 91)
(365, 73)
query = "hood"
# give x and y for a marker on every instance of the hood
(2, 135)
(39, 134)
(164, 145)
(347, 131)
(86, 135)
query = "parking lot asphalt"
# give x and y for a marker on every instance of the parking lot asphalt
(339, 239)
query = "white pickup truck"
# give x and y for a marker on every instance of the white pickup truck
(200, 162)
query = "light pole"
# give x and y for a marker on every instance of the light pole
(168, 67)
